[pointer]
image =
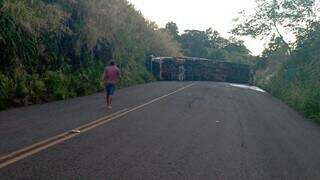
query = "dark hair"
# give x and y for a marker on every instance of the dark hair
(112, 63)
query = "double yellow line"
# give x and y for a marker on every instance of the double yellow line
(45, 144)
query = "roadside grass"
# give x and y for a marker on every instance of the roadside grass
(303, 95)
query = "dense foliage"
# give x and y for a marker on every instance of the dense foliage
(57, 49)
(289, 70)
(298, 82)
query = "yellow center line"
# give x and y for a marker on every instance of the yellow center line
(45, 144)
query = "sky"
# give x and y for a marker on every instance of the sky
(200, 15)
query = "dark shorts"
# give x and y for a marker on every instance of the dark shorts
(110, 88)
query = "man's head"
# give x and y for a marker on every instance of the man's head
(112, 63)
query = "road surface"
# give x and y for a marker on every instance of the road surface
(164, 130)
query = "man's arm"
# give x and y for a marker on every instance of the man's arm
(104, 77)
(119, 74)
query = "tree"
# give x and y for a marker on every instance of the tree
(209, 44)
(236, 46)
(277, 18)
(195, 43)
(173, 29)
(275, 44)
(216, 41)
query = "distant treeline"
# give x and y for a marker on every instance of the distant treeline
(211, 45)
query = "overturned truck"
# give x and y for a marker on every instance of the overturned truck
(198, 69)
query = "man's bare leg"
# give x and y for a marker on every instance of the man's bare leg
(109, 101)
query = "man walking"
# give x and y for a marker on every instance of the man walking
(111, 75)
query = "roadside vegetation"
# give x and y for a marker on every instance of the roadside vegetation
(289, 67)
(57, 49)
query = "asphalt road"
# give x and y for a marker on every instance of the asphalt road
(206, 131)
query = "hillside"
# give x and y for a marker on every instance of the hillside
(53, 50)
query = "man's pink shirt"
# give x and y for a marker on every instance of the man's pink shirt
(111, 74)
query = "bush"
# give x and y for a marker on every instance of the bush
(297, 84)
(312, 104)
(37, 89)
(57, 85)
(60, 93)
(6, 91)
